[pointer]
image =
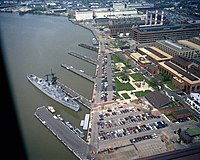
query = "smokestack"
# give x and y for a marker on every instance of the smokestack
(162, 17)
(156, 17)
(146, 19)
(151, 19)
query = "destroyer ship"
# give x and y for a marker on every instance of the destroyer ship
(53, 89)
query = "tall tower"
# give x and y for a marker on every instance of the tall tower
(146, 18)
(162, 17)
(156, 17)
(151, 17)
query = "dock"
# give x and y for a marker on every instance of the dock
(79, 72)
(85, 58)
(76, 96)
(88, 47)
(72, 141)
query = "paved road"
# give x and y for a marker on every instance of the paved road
(106, 64)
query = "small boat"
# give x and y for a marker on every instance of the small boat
(51, 109)
(79, 132)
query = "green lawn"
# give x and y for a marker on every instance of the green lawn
(141, 93)
(123, 86)
(170, 85)
(117, 59)
(138, 77)
(118, 43)
(126, 96)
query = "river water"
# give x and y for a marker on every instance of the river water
(37, 44)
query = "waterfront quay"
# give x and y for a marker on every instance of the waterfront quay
(88, 47)
(79, 72)
(58, 127)
(85, 58)
(76, 96)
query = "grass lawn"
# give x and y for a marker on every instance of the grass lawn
(126, 96)
(116, 59)
(141, 93)
(138, 77)
(123, 86)
(170, 85)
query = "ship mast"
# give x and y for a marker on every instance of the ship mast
(54, 78)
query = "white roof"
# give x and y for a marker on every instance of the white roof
(196, 96)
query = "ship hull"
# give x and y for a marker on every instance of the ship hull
(54, 95)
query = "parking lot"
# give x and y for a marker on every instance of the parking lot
(121, 126)
(133, 129)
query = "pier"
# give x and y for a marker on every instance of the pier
(77, 145)
(79, 72)
(85, 58)
(76, 96)
(88, 47)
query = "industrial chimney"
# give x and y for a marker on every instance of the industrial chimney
(162, 17)
(156, 17)
(146, 19)
(151, 17)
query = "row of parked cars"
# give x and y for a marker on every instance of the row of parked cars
(142, 138)
(125, 120)
(104, 79)
(109, 135)
(110, 112)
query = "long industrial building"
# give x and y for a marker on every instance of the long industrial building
(184, 73)
(83, 15)
(152, 17)
(154, 33)
(175, 49)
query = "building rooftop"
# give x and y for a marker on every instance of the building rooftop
(194, 70)
(156, 53)
(165, 28)
(181, 71)
(181, 61)
(185, 136)
(197, 60)
(141, 58)
(181, 111)
(193, 131)
(175, 46)
(158, 99)
(189, 44)
(195, 96)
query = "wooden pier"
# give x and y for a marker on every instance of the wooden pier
(85, 58)
(79, 72)
(88, 47)
(59, 128)
(76, 96)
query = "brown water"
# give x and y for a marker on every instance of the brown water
(37, 44)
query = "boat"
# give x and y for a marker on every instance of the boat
(79, 132)
(54, 90)
(75, 130)
(51, 109)
(94, 41)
